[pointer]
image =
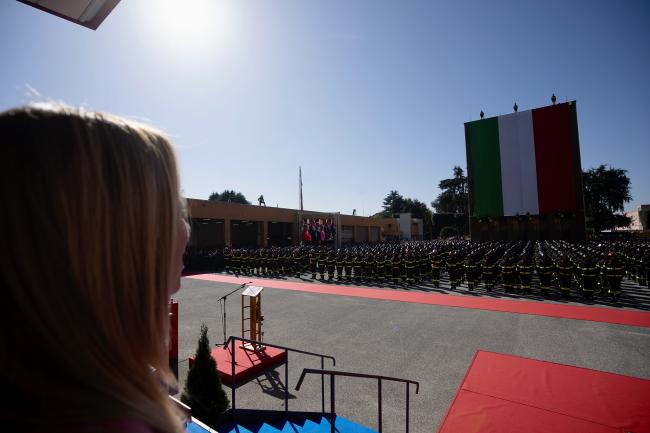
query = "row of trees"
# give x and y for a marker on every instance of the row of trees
(229, 196)
(606, 190)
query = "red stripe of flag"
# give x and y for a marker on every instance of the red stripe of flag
(554, 159)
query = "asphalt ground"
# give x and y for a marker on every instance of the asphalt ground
(427, 343)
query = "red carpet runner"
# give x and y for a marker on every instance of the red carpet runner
(576, 312)
(508, 394)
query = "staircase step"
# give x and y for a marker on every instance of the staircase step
(290, 427)
(193, 427)
(347, 426)
(342, 425)
(267, 428)
(311, 427)
(240, 429)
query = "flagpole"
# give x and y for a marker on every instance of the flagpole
(299, 230)
(300, 185)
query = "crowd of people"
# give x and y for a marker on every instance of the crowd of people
(318, 231)
(202, 259)
(516, 267)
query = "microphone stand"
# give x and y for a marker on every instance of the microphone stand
(223, 299)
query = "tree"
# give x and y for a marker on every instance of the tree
(203, 391)
(229, 196)
(454, 196)
(448, 232)
(393, 203)
(415, 207)
(606, 190)
(396, 203)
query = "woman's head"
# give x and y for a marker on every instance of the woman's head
(92, 223)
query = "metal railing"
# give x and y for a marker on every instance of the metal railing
(232, 339)
(333, 373)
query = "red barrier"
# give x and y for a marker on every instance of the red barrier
(173, 331)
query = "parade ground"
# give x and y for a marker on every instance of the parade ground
(430, 340)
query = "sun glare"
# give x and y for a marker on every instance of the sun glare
(189, 26)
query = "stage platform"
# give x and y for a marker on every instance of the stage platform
(247, 362)
(508, 394)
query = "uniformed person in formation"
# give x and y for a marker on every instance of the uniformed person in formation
(313, 262)
(330, 262)
(296, 256)
(356, 266)
(614, 271)
(378, 266)
(437, 264)
(396, 266)
(453, 269)
(564, 269)
(227, 255)
(472, 271)
(525, 270)
(347, 264)
(409, 268)
(545, 271)
(339, 263)
(508, 275)
(489, 271)
(588, 277)
(644, 266)
(645, 263)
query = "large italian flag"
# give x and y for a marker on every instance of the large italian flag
(524, 162)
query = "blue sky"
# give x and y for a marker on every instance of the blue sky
(367, 96)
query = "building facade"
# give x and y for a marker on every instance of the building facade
(220, 224)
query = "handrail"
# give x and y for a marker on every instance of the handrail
(184, 409)
(333, 373)
(264, 343)
(322, 357)
(351, 374)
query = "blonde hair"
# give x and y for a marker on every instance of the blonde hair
(90, 209)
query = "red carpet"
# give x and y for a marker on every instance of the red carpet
(576, 312)
(508, 394)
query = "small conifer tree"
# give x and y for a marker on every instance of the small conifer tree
(448, 232)
(203, 391)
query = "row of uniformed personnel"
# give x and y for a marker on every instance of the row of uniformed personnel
(590, 268)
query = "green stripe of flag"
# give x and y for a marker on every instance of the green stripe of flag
(483, 139)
